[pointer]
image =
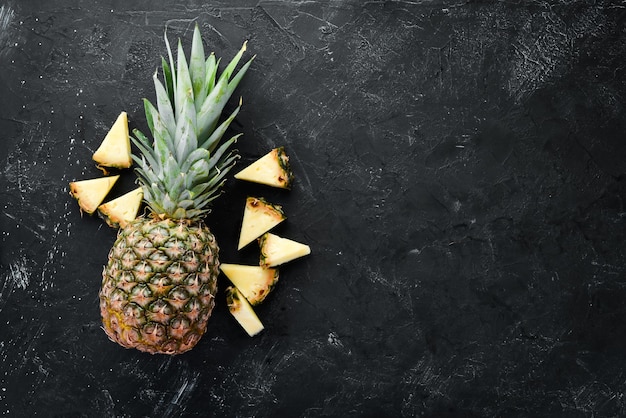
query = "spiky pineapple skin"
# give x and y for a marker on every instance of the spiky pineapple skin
(159, 285)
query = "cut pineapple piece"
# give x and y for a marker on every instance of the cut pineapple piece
(254, 282)
(114, 151)
(259, 217)
(272, 170)
(277, 250)
(118, 212)
(90, 193)
(243, 312)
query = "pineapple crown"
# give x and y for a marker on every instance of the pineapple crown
(184, 166)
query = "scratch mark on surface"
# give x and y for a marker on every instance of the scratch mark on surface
(179, 400)
(6, 18)
(18, 276)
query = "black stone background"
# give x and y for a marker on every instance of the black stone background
(460, 177)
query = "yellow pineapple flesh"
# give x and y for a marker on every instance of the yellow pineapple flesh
(277, 250)
(117, 213)
(259, 216)
(90, 193)
(254, 282)
(243, 312)
(114, 151)
(272, 170)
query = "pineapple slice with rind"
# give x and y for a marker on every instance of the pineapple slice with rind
(90, 193)
(243, 312)
(272, 169)
(114, 151)
(259, 216)
(254, 282)
(277, 250)
(117, 213)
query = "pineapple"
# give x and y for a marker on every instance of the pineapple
(254, 282)
(114, 151)
(259, 216)
(243, 312)
(120, 211)
(160, 281)
(90, 193)
(272, 170)
(277, 250)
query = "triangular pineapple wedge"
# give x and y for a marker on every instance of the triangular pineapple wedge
(259, 216)
(272, 170)
(114, 151)
(118, 212)
(90, 193)
(254, 282)
(239, 307)
(277, 250)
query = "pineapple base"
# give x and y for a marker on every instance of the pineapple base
(159, 285)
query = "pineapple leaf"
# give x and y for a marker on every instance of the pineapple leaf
(176, 188)
(211, 109)
(187, 141)
(219, 172)
(199, 154)
(140, 141)
(167, 77)
(164, 105)
(208, 198)
(184, 89)
(217, 155)
(162, 139)
(211, 71)
(197, 69)
(233, 63)
(216, 100)
(237, 78)
(186, 203)
(171, 67)
(216, 136)
(171, 171)
(198, 170)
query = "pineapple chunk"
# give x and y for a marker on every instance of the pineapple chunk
(90, 193)
(276, 250)
(118, 212)
(254, 282)
(259, 216)
(114, 151)
(243, 312)
(272, 170)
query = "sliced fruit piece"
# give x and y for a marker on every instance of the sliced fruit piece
(272, 170)
(259, 216)
(90, 193)
(114, 151)
(254, 282)
(243, 312)
(277, 250)
(118, 212)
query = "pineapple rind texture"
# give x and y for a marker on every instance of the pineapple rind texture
(159, 285)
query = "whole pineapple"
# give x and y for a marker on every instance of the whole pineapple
(159, 285)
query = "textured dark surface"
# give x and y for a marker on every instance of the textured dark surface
(459, 177)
